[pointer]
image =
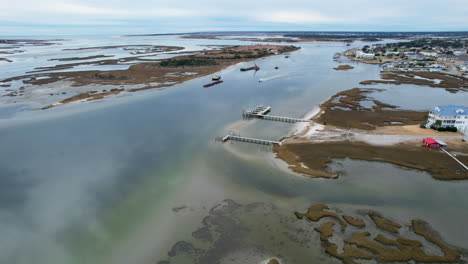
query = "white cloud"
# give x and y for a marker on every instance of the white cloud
(296, 17)
(184, 15)
(82, 9)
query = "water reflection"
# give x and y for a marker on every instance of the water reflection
(79, 185)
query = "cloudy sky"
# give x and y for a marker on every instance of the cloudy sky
(24, 17)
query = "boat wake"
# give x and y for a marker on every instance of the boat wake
(275, 77)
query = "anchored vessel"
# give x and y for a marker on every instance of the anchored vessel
(211, 84)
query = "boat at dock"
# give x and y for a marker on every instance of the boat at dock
(213, 83)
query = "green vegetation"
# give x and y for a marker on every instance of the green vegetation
(194, 62)
(438, 126)
(109, 76)
(428, 43)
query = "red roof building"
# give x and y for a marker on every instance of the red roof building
(431, 143)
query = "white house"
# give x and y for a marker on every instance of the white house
(366, 56)
(450, 115)
(428, 54)
(391, 53)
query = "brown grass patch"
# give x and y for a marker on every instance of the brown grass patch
(273, 261)
(356, 116)
(316, 156)
(354, 221)
(317, 212)
(385, 224)
(344, 67)
(361, 245)
(449, 82)
(325, 230)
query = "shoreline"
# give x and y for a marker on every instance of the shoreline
(309, 148)
(95, 85)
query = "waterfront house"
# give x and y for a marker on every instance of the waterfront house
(449, 116)
(366, 56)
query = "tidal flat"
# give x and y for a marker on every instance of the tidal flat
(132, 179)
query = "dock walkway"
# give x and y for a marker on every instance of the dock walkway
(250, 140)
(457, 160)
(261, 112)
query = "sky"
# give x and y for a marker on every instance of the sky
(88, 17)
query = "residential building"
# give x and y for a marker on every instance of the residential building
(363, 55)
(446, 58)
(449, 116)
(461, 60)
(428, 54)
(391, 53)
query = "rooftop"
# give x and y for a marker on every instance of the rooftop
(450, 110)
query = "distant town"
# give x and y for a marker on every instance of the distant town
(426, 55)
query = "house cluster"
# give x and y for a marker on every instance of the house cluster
(431, 59)
(449, 116)
(406, 66)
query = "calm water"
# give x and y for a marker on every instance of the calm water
(96, 182)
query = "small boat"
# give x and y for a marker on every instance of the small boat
(211, 84)
(276, 67)
(216, 78)
(286, 56)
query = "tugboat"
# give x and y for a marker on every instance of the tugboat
(216, 78)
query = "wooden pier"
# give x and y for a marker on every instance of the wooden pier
(261, 112)
(249, 140)
(282, 118)
(457, 160)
